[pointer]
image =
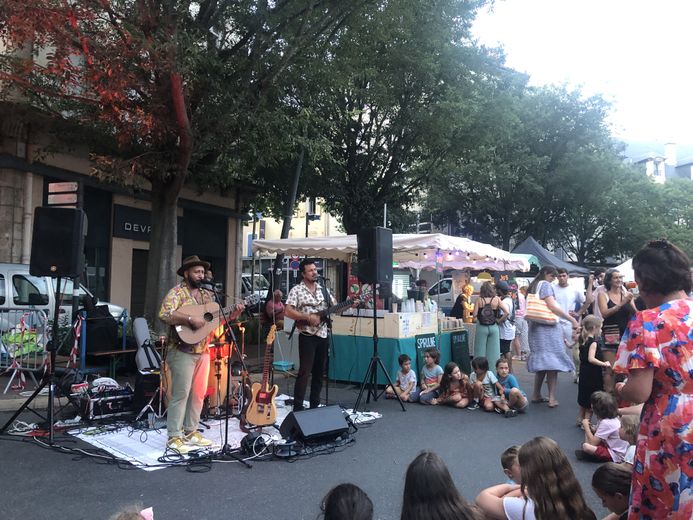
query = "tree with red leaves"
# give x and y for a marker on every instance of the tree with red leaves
(169, 87)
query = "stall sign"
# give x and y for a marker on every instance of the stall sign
(421, 343)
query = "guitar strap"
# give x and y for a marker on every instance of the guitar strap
(326, 296)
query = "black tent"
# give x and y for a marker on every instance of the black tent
(532, 247)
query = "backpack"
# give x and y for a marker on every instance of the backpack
(487, 314)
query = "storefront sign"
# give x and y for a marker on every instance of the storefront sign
(135, 223)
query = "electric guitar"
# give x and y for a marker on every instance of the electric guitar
(261, 411)
(210, 312)
(302, 325)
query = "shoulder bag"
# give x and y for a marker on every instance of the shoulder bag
(538, 312)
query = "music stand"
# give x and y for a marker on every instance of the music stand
(370, 380)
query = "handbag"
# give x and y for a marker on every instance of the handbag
(538, 312)
(612, 336)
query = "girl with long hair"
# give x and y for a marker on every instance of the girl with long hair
(549, 488)
(455, 389)
(430, 492)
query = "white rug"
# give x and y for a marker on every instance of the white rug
(143, 448)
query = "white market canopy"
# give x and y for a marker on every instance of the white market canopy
(408, 250)
(626, 270)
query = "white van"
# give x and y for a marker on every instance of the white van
(20, 291)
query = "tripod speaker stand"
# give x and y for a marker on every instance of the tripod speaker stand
(375, 266)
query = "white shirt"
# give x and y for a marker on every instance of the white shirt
(568, 298)
(507, 328)
(513, 507)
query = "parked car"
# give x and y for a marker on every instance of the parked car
(259, 286)
(21, 292)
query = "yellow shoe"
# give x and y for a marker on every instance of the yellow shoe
(196, 439)
(179, 445)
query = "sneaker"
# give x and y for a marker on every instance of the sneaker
(473, 406)
(178, 445)
(196, 439)
(510, 413)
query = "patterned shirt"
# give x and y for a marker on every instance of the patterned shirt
(662, 339)
(301, 299)
(174, 300)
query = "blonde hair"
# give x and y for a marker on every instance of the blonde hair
(630, 425)
(590, 323)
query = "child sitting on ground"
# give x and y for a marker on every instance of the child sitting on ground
(516, 398)
(630, 424)
(511, 466)
(455, 389)
(405, 384)
(486, 389)
(603, 444)
(611, 483)
(431, 374)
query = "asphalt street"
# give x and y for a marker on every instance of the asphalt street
(42, 483)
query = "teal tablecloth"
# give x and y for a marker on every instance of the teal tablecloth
(352, 354)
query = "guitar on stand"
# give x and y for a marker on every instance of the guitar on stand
(262, 411)
(211, 313)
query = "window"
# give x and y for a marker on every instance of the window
(65, 296)
(29, 290)
(444, 286)
(2, 289)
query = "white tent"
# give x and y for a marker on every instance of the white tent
(626, 270)
(408, 250)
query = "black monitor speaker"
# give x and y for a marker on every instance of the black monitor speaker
(57, 245)
(375, 255)
(322, 424)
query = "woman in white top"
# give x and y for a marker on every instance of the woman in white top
(549, 489)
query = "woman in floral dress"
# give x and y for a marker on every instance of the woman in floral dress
(657, 354)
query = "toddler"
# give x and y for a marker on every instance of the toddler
(486, 389)
(591, 364)
(516, 398)
(604, 443)
(630, 424)
(455, 389)
(405, 384)
(431, 374)
(511, 466)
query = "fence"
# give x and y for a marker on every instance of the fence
(23, 336)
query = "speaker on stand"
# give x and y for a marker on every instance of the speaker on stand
(375, 267)
(57, 250)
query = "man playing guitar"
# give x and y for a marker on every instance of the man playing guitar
(189, 364)
(303, 303)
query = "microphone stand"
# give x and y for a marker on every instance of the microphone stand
(226, 451)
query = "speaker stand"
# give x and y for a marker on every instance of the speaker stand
(370, 380)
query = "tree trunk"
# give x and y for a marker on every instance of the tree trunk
(162, 261)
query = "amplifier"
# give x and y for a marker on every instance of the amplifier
(104, 407)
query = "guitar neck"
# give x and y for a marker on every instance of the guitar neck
(336, 308)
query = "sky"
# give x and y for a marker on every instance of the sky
(635, 53)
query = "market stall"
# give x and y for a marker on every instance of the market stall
(399, 332)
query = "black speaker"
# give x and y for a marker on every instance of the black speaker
(322, 424)
(375, 255)
(57, 245)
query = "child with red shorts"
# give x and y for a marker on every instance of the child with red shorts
(603, 443)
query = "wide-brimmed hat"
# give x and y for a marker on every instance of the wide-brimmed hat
(192, 261)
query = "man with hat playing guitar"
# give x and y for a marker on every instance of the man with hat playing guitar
(189, 364)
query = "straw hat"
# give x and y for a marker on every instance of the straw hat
(192, 261)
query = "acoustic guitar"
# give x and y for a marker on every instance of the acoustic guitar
(211, 313)
(302, 325)
(262, 411)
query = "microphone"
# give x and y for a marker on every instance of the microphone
(205, 284)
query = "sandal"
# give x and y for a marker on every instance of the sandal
(553, 405)
(541, 400)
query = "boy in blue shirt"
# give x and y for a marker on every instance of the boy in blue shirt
(516, 398)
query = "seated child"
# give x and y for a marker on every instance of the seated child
(630, 424)
(611, 483)
(516, 398)
(431, 374)
(511, 466)
(405, 384)
(347, 501)
(455, 389)
(486, 389)
(604, 443)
